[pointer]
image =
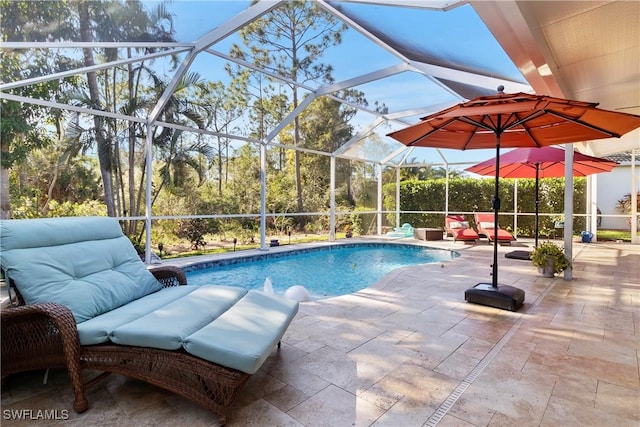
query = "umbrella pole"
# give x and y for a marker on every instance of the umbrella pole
(496, 208)
(503, 296)
(537, 201)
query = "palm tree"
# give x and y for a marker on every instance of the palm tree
(425, 171)
(108, 21)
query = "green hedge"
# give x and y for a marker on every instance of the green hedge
(474, 195)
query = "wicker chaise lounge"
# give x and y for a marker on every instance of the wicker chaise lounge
(86, 301)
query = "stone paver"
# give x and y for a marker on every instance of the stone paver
(410, 351)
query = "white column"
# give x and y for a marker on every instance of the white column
(379, 226)
(398, 196)
(446, 190)
(147, 202)
(263, 197)
(568, 208)
(332, 200)
(634, 199)
(515, 208)
(592, 206)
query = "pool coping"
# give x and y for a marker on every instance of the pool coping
(207, 261)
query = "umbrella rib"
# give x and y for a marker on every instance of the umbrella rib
(582, 123)
(497, 128)
(471, 121)
(468, 120)
(531, 116)
(533, 138)
(415, 141)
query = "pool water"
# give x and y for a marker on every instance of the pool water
(324, 272)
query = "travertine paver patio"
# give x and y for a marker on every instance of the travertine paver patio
(410, 352)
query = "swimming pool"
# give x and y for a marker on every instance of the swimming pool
(324, 271)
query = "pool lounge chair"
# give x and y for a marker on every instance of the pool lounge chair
(459, 229)
(485, 226)
(85, 301)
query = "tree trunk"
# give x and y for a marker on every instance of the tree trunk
(348, 179)
(5, 201)
(104, 149)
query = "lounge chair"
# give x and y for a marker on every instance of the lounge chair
(485, 226)
(459, 229)
(87, 302)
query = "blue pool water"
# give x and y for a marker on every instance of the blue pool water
(324, 272)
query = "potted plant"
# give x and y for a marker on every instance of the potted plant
(347, 231)
(550, 259)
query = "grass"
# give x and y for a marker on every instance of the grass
(241, 247)
(603, 236)
(613, 235)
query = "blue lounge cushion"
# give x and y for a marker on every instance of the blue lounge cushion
(98, 330)
(166, 327)
(105, 273)
(242, 338)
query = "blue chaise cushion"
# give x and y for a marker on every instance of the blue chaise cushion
(166, 327)
(243, 337)
(84, 263)
(99, 329)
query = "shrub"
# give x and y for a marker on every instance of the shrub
(193, 230)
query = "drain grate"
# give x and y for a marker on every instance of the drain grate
(447, 404)
(455, 395)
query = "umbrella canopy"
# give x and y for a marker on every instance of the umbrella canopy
(544, 162)
(518, 120)
(512, 121)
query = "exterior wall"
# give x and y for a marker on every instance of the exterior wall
(613, 186)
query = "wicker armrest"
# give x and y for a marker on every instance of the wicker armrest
(169, 275)
(41, 336)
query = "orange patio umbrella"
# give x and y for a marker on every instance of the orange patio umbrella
(544, 162)
(512, 121)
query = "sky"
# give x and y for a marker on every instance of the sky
(455, 37)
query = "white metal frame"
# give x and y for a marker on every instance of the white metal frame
(487, 10)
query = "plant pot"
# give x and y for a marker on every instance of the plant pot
(549, 268)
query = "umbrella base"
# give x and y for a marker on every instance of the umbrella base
(523, 255)
(504, 296)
